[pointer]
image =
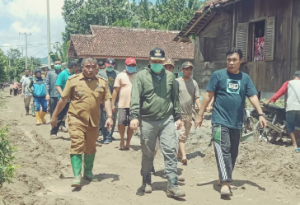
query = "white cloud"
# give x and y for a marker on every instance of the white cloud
(30, 16)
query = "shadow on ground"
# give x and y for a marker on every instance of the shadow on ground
(238, 183)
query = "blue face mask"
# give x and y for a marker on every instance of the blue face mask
(57, 67)
(109, 69)
(156, 67)
(130, 69)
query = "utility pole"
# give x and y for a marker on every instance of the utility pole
(25, 34)
(48, 35)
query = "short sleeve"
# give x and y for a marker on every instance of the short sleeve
(117, 81)
(213, 82)
(250, 88)
(67, 90)
(59, 79)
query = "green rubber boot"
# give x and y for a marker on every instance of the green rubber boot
(88, 166)
(76, 161)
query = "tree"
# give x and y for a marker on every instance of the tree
(3, 66)
(165, 14)
(13, 54)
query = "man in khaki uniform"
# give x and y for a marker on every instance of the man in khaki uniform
(86, 92)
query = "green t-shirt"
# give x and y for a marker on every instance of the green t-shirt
(62, 79)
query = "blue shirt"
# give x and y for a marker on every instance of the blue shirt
(62, 79)
(230, 91)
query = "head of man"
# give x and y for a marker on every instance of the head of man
(234, 60)
(27, 72)
(169, 65)
(157, 59)
(130, 65)
(89, 67)
(110, 64)
(101, 64)
(297, 75)
(72, 66)
(187, 70)
(38, 73)
(57, 64)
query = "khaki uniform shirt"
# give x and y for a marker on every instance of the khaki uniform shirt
(86, 97)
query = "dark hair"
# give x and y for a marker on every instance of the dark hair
(72, 63)
(57, 60)
(235, 50)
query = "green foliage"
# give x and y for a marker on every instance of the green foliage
(61, 52)
(165, 14)
(18, 69)
(7, 168)
(3, 67)
(13, 54)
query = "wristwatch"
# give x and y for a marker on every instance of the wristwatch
(262, 114)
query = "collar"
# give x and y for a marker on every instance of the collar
(82, 77)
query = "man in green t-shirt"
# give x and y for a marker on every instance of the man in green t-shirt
(60, 85)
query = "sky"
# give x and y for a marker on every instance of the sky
(30, 16)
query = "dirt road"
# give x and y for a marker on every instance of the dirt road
(265, 174)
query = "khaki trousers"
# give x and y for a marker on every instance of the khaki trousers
(83, 139)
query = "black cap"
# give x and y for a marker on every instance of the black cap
(297, 73)
(157, 54)
(110, 62)
(187, 65)
(100, 63)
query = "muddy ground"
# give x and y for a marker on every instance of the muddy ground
(265, 174)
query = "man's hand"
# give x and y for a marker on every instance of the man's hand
(47, 97)
(198, 121)
(134, 124)
(266, 103)
(179, 124)
(54, 121)
(209, 108)
(113, 108)
(109, 124)
(263, 121)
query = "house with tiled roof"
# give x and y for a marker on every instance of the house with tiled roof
(267, 31)
(121, 43)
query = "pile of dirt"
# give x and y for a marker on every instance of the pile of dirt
(263, 160)
(36, 159)
(278, 163)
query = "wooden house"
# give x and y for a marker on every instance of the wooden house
(267, 31)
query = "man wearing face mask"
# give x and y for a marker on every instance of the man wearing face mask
(123, 86)
(60, 85)
(154, 108)
(110, 74)
(51, 92)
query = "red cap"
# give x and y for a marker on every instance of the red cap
(130, 61)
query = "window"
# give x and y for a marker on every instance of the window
(256, 39)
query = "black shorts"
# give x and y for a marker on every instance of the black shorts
(123, 117)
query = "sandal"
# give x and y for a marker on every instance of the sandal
(226, 192)
(184, 161)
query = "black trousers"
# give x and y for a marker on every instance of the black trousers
(53, 103)
(226, 143)
(60, 118)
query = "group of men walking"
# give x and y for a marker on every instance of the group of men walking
(151, 100)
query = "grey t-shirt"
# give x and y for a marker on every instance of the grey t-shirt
(111, 77)
(25, 83)
(188, 93)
